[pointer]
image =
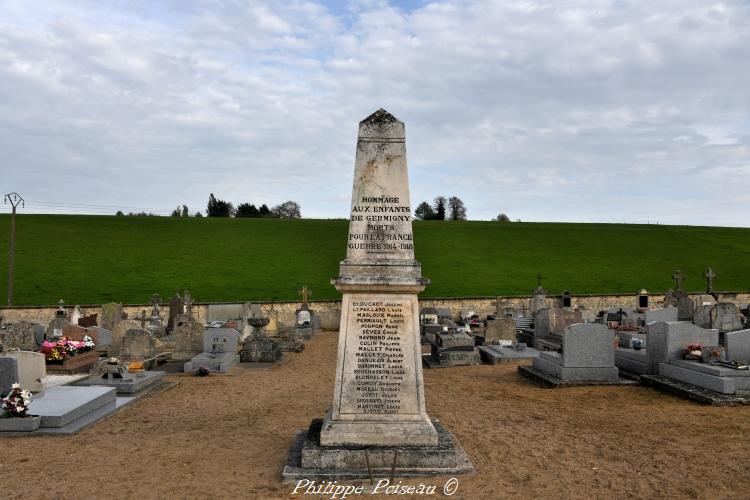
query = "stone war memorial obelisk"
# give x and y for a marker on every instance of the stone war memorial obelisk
(377, 424)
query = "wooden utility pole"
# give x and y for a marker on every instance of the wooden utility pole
(14, 199)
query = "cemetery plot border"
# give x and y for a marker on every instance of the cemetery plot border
(550, 381)
(693, 392)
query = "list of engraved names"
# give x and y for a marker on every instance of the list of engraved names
(382, 383)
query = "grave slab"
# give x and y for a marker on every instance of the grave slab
(59, 406)
(130, 383)
(495, 354)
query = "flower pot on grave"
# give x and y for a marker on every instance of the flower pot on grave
(82, 362)
(20, 424)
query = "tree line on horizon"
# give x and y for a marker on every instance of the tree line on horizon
(452, 208)
(221, 208)
(442, 208)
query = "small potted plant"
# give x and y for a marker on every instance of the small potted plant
(14, 407)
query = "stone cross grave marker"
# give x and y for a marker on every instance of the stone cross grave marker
(155, 315)
(678, 279)
(709, 275)
(305, 292)
(176, 307)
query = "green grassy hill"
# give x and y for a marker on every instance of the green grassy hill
(95, 259)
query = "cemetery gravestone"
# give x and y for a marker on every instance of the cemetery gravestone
(138, 344)
(75, 315)
(76, 332)
(58, 324)
(560, 319)
(88, 321)
(737, 345)
(118, 333)
(20, 335)
(665, 340)
(500, 329)
(8, 374)
(155, 325)
(176, 307)
(668, 313)
(538, 299)
(111, 315)
(103, 337)
(219, 351)
(587, 356)
(31, 369)
(188, 335)
(726, 317)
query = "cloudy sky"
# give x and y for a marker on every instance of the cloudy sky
(592, 111)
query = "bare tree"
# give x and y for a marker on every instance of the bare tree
(287, 210)
(458, 209)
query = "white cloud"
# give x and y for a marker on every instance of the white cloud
(581, 111)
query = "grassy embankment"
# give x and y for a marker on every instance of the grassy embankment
(96, 259)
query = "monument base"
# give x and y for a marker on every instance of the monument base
(372, 433)
(307, 459)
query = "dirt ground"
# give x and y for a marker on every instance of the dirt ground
(227, 436)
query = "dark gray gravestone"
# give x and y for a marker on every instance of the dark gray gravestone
(8, 374)
(176, 307)
(737, 345)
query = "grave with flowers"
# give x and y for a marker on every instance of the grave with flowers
(14, 416)
(689, 361)
(123, 376)
(68, 355)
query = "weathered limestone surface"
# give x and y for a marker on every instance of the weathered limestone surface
(379, 392)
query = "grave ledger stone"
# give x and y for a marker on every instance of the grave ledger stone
(378, 408)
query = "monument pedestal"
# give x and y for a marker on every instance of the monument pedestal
(307, 459)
